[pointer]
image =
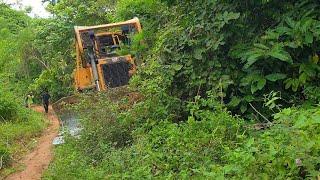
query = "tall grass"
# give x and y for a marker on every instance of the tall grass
(18, 136)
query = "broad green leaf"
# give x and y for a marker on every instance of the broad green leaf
(251, 60)
(315, 59)
(281, 55)
(254, 88)
(283, 30)
(301, 122)
(235, 101)
(261, 83)
(288, 83)
(243, 108)
(290, 22)
(232, 15)
(275, 77)
(295, 85)
(261, 46)
(198, 54)
(228, 168)
(309, 38)
(303, 78)
(258, 84)
(306, 24)
(176, 67)
(271, 35)
(248, 98)
(316, 119)
(293, 45)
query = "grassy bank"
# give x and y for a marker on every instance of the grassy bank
(18, 136)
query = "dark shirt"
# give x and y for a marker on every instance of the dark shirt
(46, 97)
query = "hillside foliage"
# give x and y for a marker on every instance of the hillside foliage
(18, 125)
(226, 89)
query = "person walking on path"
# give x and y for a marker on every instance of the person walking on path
(29, 100)
(45, 100)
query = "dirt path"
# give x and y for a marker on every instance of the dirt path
(38, 160)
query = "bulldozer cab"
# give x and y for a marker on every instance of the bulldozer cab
(98, 64)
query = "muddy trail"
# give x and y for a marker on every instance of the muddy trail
(38, 160)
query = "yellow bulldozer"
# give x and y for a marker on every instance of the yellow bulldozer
(98, 63)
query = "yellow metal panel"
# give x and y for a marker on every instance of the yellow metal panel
(101, 78)
(83, 78)
(134, 21)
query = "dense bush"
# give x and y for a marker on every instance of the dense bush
(201, 60)
(229, 48)
(210, 144)
(8, 107)
(96, 142)
(289, 149)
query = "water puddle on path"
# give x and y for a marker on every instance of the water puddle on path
(70, 124)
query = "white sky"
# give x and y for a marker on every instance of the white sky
(38, 9)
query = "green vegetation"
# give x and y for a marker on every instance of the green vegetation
(18, 125)
(18, 128)
(225, 89)
(210, 144)
(17, 137)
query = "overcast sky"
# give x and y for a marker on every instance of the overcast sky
(38, 9)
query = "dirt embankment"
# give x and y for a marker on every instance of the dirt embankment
(37, 161)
